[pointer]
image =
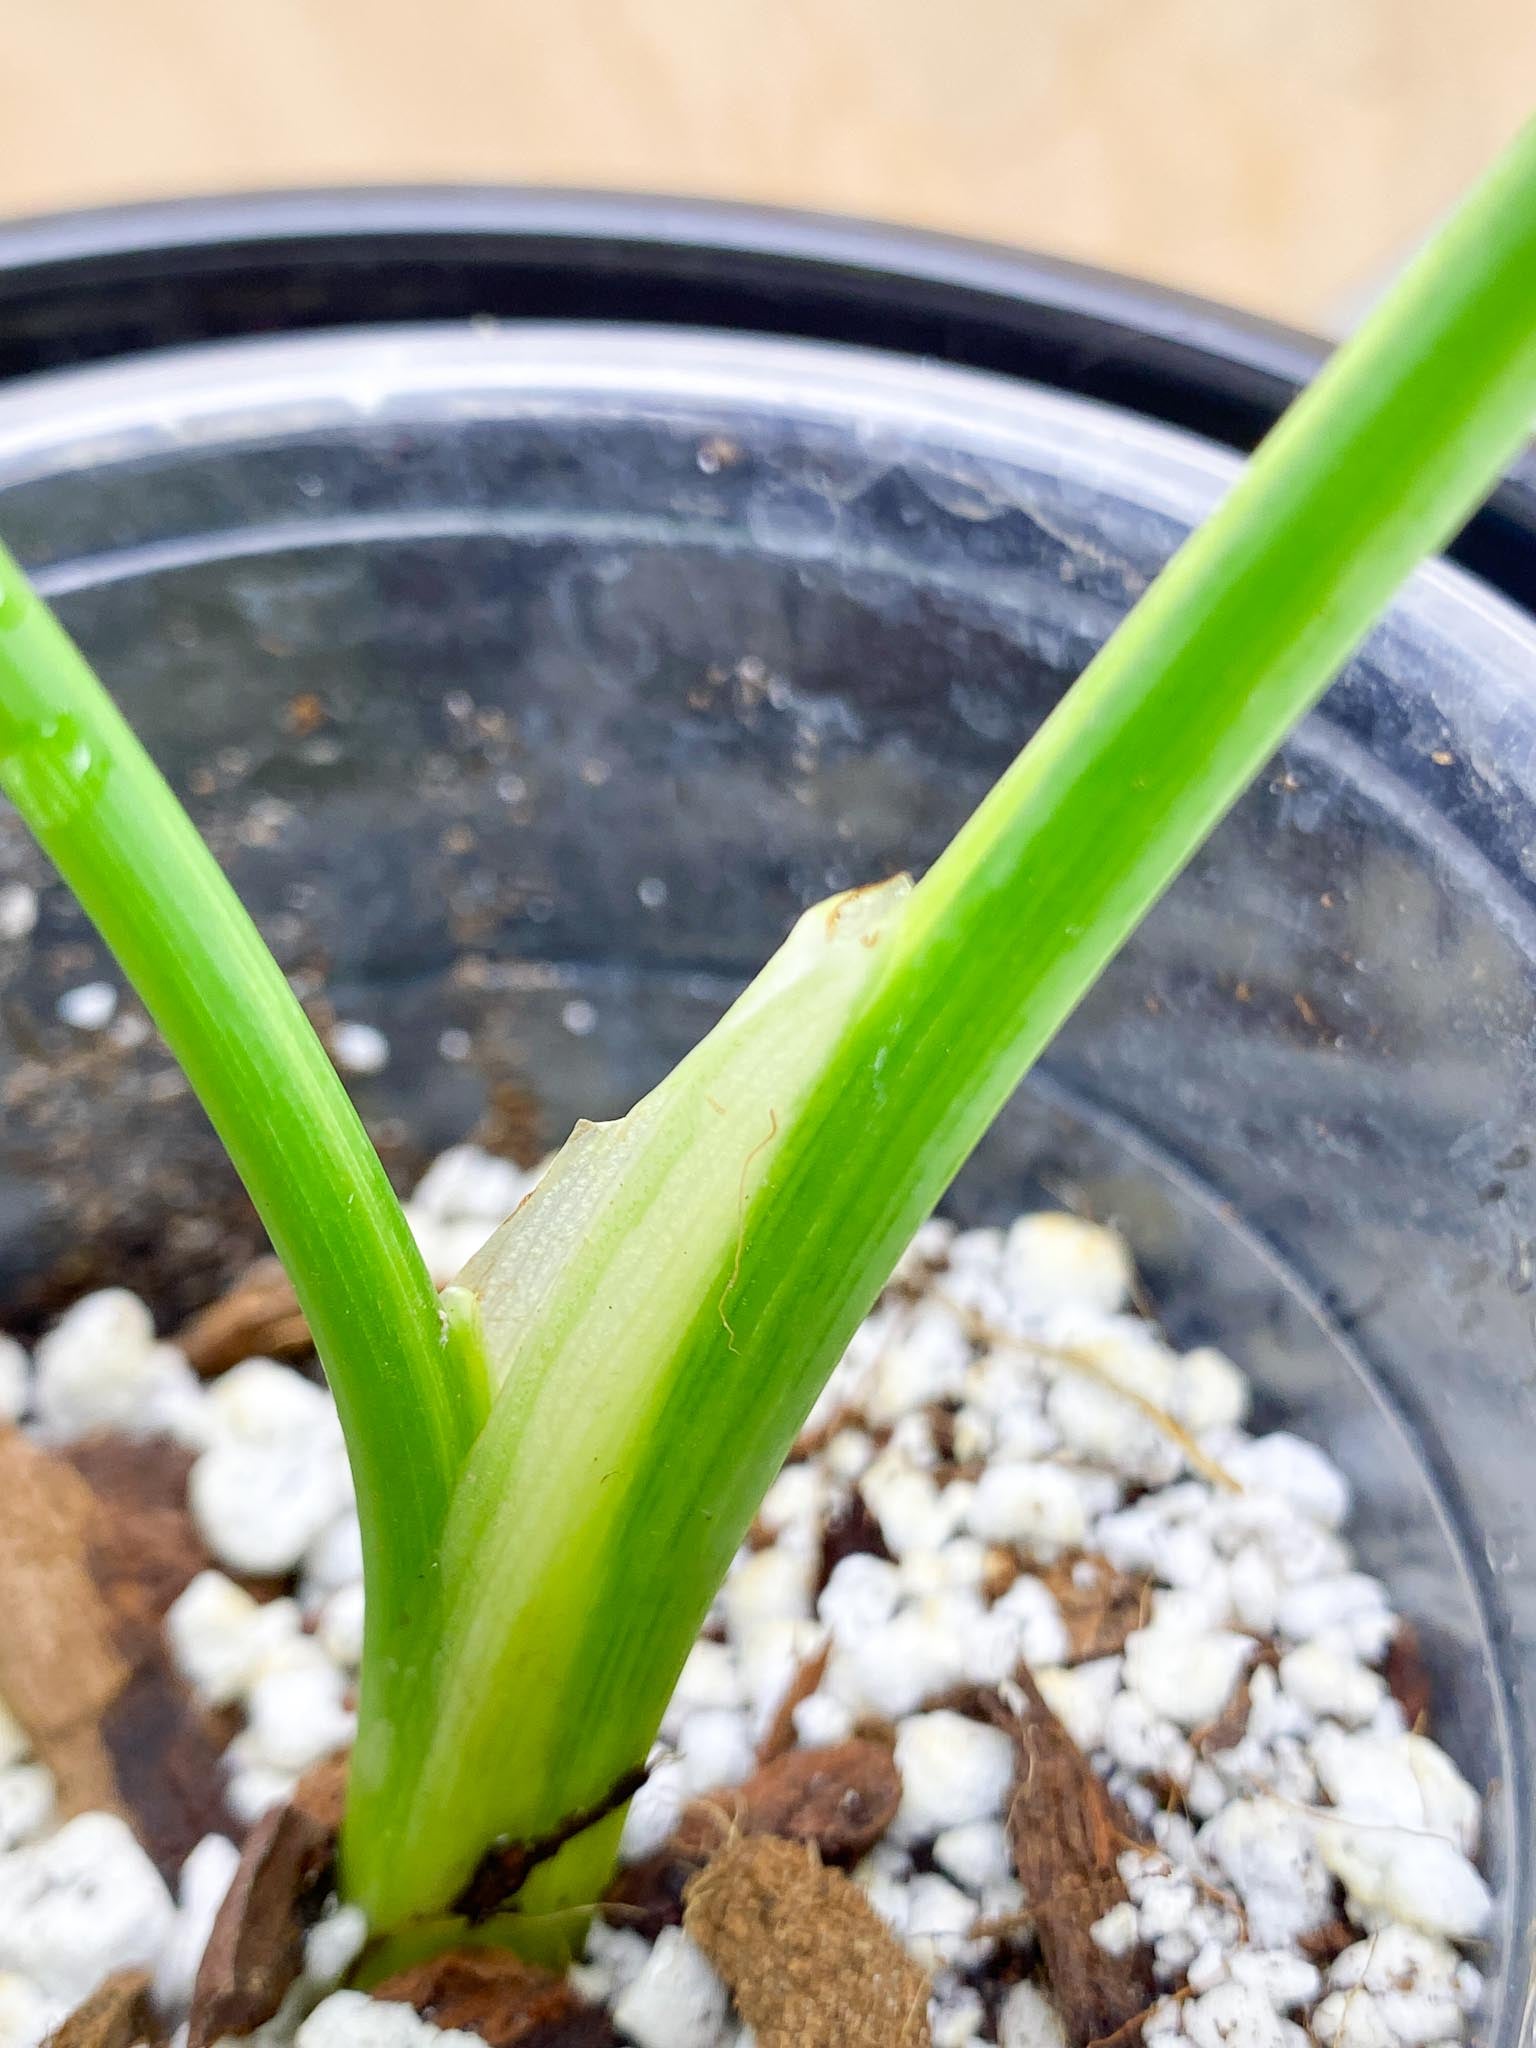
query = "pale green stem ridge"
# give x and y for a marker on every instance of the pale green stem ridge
(583, 1294)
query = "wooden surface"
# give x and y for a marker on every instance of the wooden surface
(1278, 153)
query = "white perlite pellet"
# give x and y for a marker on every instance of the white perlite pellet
(79, 1904)
(675, 2000)
(350, 2019)
(90, 1007)
(275, 1474)
(100, 1367)
(334, 1944)
(1029, 2020)
(295, 1714)
(18, 911)
(1023, 1338)
(974, 1854)
(359, 1048)
(221, 1639)
(463, 1196)
(1036, 1507)
(1052, 1261)
(1186, 1675)
(1267, 1851)
(205, 1878)
(952, 1770)
(15, 1380)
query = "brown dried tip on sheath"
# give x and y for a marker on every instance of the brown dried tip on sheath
(808, 1960)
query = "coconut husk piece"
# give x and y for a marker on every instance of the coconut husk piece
(259, 1317)
(256, 1949)
(1066, 1831)
(507, 2002)
(808, 1960)
(117, 2014)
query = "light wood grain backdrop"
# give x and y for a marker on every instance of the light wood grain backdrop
(1279, 153)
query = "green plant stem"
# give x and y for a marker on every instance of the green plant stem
(621, 1465)
(105, 816)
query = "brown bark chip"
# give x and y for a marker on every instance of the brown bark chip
(116, 2015)
(1066, 1830)
(95, 1544)
(507, 2002)
(1324, 1945)
(321, 1794)
(143, 1546)
(256, 1948)
(59, 1663)
(133, 1474)
(840, 1800)
(780, 1735)
(1000, 1570)
(143, 1551)
(1229, 1726)
(807, 1959)
(1099, 1605)
(258, 1318)
(648, 1895)
(1408, 1679)
(852, 1532)
(165, 1753)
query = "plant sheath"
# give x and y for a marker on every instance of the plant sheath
(662, 1314)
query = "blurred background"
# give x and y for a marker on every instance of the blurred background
(1283, 155)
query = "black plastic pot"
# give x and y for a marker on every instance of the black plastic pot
(79, 287)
